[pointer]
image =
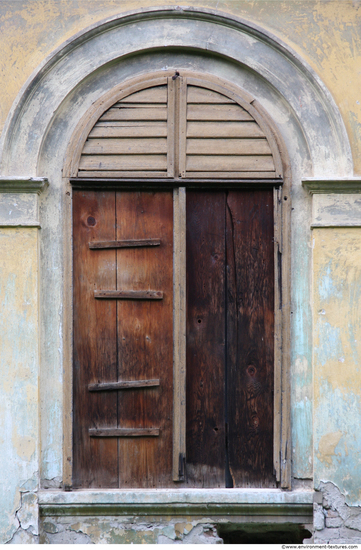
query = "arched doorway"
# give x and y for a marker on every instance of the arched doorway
(177, 199)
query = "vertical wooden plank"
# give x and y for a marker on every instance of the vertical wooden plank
(205, 339)
(145, 338)
(278, 333)
(286, 337)
(182, 131)
(95, 460)
(250, 337)
(171, 123)
(179, 333)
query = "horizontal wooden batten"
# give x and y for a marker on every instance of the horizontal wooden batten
(124, 385)
(128, 294)
(124, 432)
(132, 112)
(229, 163)
(240, 180)
(150, 95)
(223, 129)
(203, 95)
(217, 112)
(134, 243)
(123, 162)
(129, 129)
(228, 147)
(125, 146)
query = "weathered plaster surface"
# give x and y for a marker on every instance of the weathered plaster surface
(336, 210)
(325, 34)
(337, 349)
(19, 210)
(128, 530)
(19, 435)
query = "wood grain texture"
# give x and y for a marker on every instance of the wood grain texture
(145, 338)
(95, 340)
(123, 385)
(250, 337)
(205, 339)
(179, 332)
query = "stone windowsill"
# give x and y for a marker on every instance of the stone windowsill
(293, 506)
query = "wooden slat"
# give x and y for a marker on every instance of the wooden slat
(128, 294)
(136, 113)
(179, 332)
(172, 120)
(157, 94)
(234, 175)
(124, 432)
(206, 339)
(124, 146)
(129, 129)
(123, 162)
(121, 174)
(229, 163)
(95, 462)
(133, 243)
(123, 385)
(217, 112)
(223, 129)
(228, 147)
(145, 338)
(182, 126)
(277, 422)
(250, 337)
(204, 95)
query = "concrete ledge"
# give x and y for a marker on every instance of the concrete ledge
(327, 186)
(10, 184)
(291, 506)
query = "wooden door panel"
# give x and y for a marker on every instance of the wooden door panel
(205, 339)
(95, 342)
(250, 337)
(145, 337)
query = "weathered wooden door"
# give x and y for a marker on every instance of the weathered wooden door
(123, 348)
(230, 338)
(123, 338)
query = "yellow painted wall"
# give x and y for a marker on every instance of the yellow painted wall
(326, 33)
(336, 360)
(19, 353)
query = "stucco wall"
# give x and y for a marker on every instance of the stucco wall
(19, 438)
(324, 33)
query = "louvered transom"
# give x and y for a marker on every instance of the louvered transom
(180, 129)
(222, 139)
(130, 138)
